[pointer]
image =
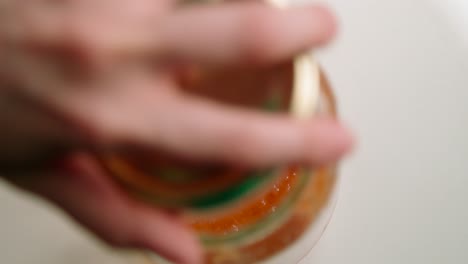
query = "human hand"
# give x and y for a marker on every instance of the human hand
(72, 82)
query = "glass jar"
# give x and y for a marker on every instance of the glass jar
(241, 215)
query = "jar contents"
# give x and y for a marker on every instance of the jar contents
(302, 213)
(241, 215)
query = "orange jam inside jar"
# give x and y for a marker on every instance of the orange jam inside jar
(241, 216)
(261, 228)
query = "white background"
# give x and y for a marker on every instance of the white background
(400, 71)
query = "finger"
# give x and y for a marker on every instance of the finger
(80, 30)
(86, 194)
(243, 33)
(202, 129)
(205, 130)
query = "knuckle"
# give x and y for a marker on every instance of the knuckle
(77, 38)
(81, 40)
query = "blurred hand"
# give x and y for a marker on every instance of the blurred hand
(72, 80)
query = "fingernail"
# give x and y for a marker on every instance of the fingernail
(315, 22)
(330, 141)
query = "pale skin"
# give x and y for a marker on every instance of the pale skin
(116, 100)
